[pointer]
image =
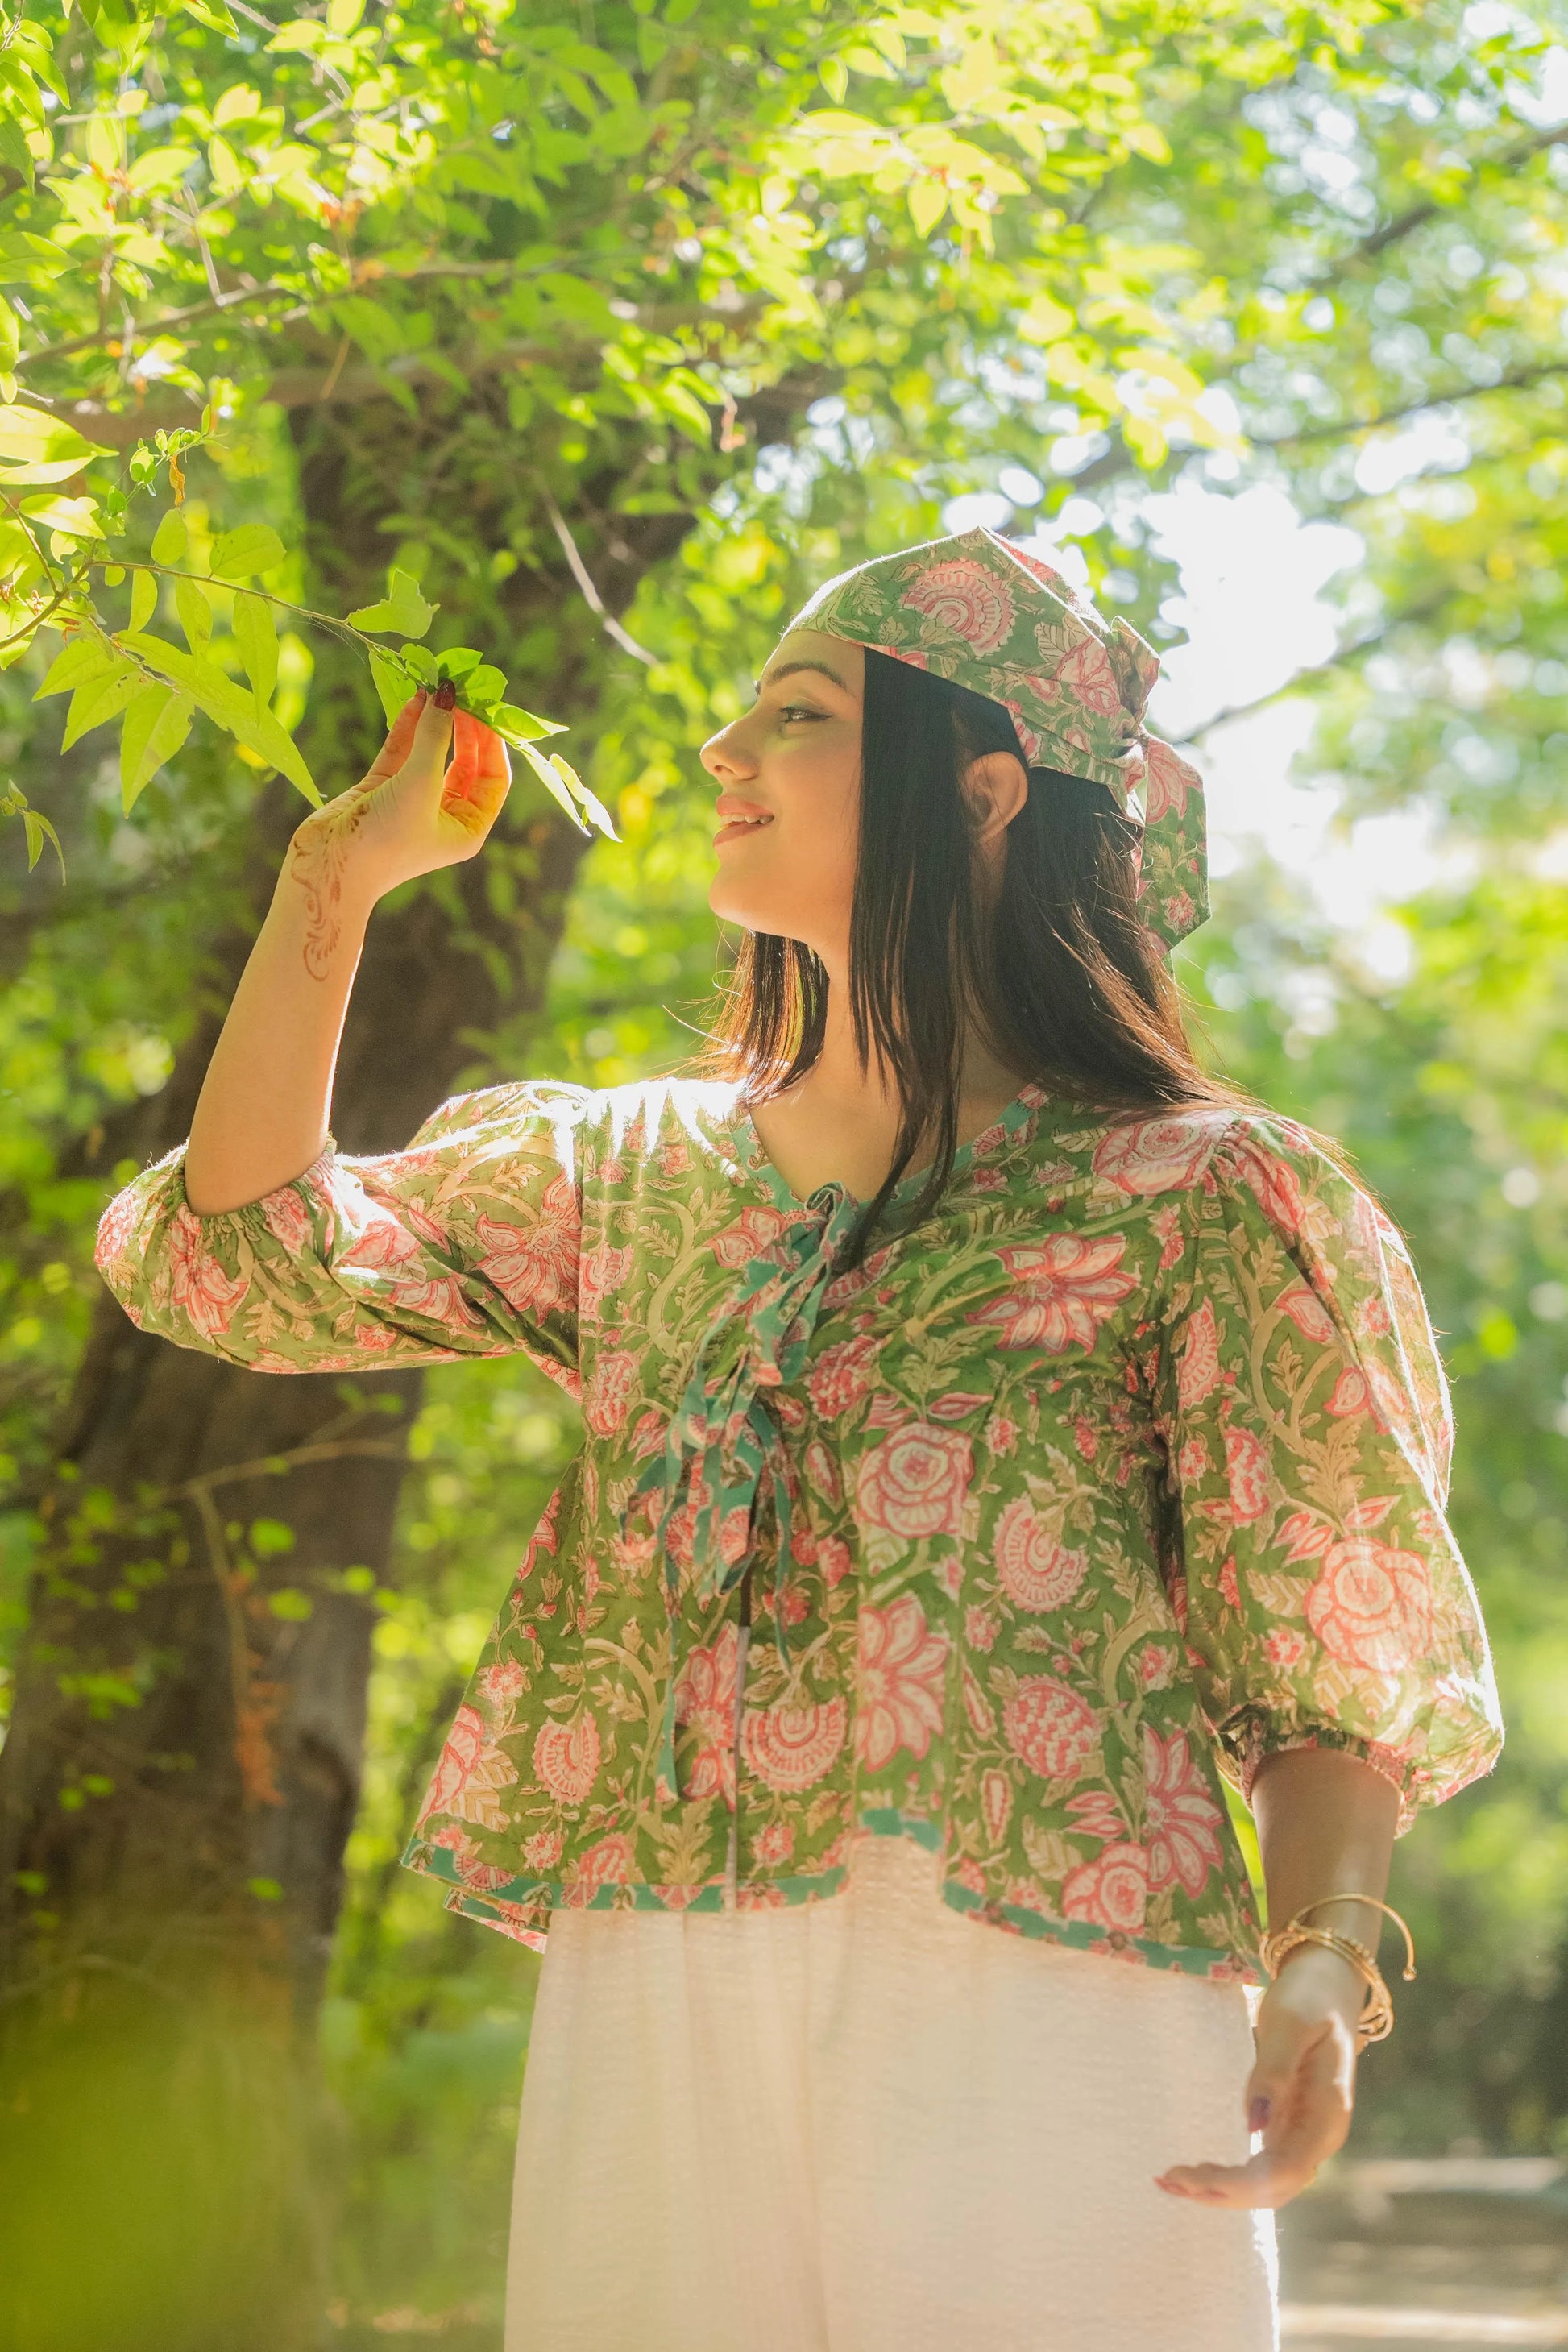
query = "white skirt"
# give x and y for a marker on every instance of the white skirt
(870, 2125)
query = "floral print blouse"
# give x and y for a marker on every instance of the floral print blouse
(1123, 1469)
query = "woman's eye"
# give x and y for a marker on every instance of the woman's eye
(793, 710)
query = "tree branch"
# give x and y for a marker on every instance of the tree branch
(1405, 223)
(584, 578)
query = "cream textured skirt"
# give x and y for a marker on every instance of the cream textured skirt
(869, 2125)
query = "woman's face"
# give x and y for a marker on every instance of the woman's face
(789, 796)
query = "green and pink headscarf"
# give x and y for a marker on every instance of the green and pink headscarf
(986, 614)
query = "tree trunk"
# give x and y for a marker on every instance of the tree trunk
(183, 1765)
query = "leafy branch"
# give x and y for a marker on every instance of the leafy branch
(63, 551)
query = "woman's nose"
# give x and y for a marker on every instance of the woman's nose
(724, 755)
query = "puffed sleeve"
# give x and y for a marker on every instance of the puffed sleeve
(465, 1244)
(1327, 1604)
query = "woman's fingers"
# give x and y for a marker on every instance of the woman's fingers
(1299, 2096)
(479, 779)
(399, 736)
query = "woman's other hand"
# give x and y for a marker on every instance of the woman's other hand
(1301, 2092)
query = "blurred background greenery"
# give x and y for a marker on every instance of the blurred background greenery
(726, 295)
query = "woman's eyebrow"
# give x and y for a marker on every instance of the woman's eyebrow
(792, 669)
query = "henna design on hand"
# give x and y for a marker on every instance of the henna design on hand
(318, 861)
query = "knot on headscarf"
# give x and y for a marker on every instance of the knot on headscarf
(724, 1457)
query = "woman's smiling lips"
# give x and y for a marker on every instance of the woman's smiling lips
(738, 818)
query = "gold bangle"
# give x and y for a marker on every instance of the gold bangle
(1375, 2023)
(1372, 1903)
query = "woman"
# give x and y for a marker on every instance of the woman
(995, 1435)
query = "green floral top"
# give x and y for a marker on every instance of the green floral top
(1123, 1469)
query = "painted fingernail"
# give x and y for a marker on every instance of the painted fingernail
(445, 696)
(1257, 2115)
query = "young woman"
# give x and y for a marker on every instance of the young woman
(996, 1436)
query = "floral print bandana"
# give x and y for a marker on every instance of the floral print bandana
(985, 613)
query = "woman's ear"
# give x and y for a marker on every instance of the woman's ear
(995, 787)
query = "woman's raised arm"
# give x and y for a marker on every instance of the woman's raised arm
(265, 1106)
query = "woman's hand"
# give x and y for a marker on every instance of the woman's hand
(1302, 2091)
(410, 812)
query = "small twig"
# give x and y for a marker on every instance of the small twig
(336, 369)
(591, 595)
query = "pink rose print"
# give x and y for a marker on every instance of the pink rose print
(773, 1844)
(1037, 1571)
(1052, 1728)
(566, 1758)
(1167, 780)
(1156, 1155)
(199, 1287)
(600, 1277)
(978, 1629)
(995, 1802)
(705, 1696)
(901, 1674)
(1192, 1462)
(115, 1228)
(1228, 1589)
(1285, 1650)
(465, 1745)
(1182, 1822)
(1067, 1288)
(1112, 1891)
(835, 1560)
(966, 599)
(505, 1682)
(1371, 1606)
(544, 1850)
(754, 1234)
(608, 1863)
(534, 1266)
(1198, 1375)
(790, 1748)
(1246, 1467)
(1088, 678)
(843, 1374)
(915, 1481)
(605, 1406)
(288, 1220)
(969, 1873)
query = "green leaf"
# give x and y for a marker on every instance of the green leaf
(255, 633)
(233, 708)
(403, 611)
(455, 661)
(39, 830)
(254, 547)
(393, 682)
(74, 518)
(143, 598)
(195, 611)
(928, 202)
(25, 258)
(172, 539)
(212, 13)
(483, 686)
(35, 447)
(162, 167)
(590, 802)
(157, 723)
(555, 785)
(87, 655)
(100, 698)
(520, 726)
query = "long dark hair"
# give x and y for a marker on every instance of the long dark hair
(1060, 975)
